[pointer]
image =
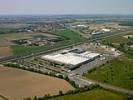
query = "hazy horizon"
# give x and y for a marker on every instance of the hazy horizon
(66, 7)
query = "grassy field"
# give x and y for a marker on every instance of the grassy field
(118, 72)
(126, 23)
(17, 84)
(115, 39)
(73, 36)
(26, 50)
(96, 94)
(16, 36)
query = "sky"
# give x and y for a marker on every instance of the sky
(29, 7)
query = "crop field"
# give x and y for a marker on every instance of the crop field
(4, 42)
(12, 26)
(115, 40)
(73, 36)
(25, 50)
(126, 23)
(17, 84)
(16, 36)
(118, 72)
(5, 51)
(69, 38)
(96, 94)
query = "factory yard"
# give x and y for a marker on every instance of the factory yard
(18, 84)
(72, 57)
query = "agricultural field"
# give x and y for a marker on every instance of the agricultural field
(73, 36)
(68, 36)
(118, 72)
(5, 51)
(6, 41)
(26, 50)
(126, 23)
(12, 25)
(17, 84)
(16, 36)
(115, 39)
(96, 94)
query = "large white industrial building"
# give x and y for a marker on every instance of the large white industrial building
(72, 58)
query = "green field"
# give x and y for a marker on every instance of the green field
(16, 36)
(96, 94)
(118, 72)
(73, 36)
(126, 23)
(115, 40)
(26, 50)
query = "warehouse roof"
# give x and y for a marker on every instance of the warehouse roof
(70, 57)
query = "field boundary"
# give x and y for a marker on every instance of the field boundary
(3, 97)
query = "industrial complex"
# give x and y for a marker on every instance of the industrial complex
(71, 58)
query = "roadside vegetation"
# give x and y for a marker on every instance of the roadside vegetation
(95, 94)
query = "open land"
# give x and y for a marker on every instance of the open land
(117, 72)
(115, 39)
(21, 35)
(6, 42)
(18, 84)
(69, 38)
(5, 51)
(96, 94)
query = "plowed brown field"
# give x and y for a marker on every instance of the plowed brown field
(17, 84)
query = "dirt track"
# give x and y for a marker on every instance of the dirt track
(18, 84)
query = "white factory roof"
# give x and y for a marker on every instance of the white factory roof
(80, 25)
(70, 58)
(106, 30)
